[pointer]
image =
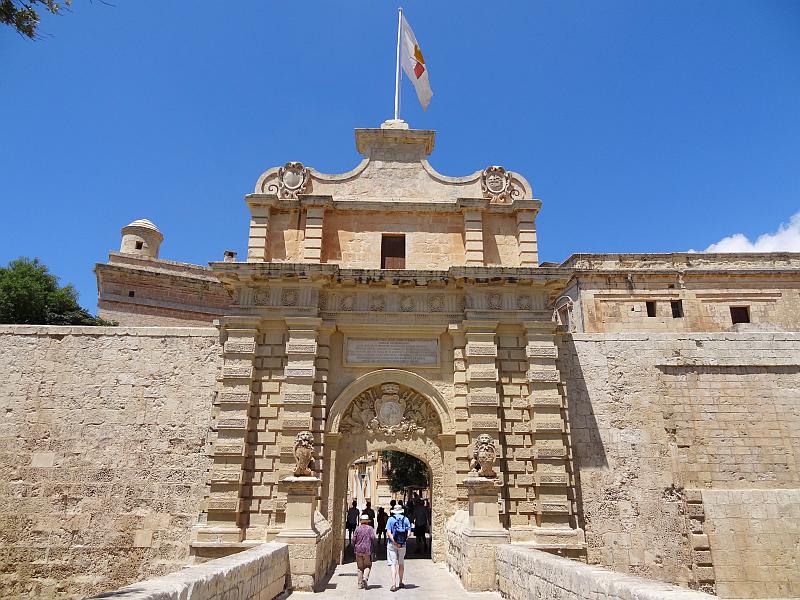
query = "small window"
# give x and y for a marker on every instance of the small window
(130, 294)
(139, 245)
(651, 309)
(393, 252)
(740, 314)
(677, 309)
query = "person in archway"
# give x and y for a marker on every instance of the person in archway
(421, 527)
(352, 521)
(371, 512)
(382, 518)
(397, 529)
(364, 537)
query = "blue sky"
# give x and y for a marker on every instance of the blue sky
(643, 126)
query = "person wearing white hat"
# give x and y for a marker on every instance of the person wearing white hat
(397, 528)
(363, 538)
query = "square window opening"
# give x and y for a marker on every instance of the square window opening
(130, 294)
(677, 309)
(393, 251)
(139, 245)
(740, 314)
(651, 309)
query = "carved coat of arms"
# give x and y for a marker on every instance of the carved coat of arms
(391, 410)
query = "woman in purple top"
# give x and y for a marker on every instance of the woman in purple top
(363, 537)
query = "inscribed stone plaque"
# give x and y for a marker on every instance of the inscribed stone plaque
(400, 351)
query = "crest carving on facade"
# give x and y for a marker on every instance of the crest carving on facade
(484, 454)
(303, 453)
(293, 178)
(496, 185)
(392, 410)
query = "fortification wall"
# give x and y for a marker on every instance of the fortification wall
(659, 424)
(102, 454)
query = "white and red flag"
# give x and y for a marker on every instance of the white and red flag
(413, 63)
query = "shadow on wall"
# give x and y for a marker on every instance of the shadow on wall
(587, 445)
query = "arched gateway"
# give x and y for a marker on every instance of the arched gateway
(391, 409)
(388, 308)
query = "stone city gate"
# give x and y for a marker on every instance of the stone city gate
(372, 314)
(391, 409)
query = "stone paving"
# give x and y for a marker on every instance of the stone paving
(423, 579)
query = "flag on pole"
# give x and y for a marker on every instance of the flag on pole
(414, 64)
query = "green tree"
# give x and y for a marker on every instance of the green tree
(405, 471)
(23, 15)
(30, 294)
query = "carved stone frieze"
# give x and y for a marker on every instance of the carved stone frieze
(494, 301)
(377, 302)
(261, 297)
(230, 397)
(392, 410)
(543, 376)
(237, 371)
(436, 303)
(541, 350)
(290, 296)
(524, 302)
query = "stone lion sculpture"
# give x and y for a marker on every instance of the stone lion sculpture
(484, 454)
(303, 453)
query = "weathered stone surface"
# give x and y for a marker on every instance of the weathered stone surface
(103, 453)
(256, 574)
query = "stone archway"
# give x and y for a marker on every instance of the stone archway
(391, 409)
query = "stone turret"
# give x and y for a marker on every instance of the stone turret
(141, 237)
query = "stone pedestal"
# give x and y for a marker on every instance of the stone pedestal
(482, 533)
(308, 564)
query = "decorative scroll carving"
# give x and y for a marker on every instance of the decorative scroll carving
(484, 454)
(377, 302)
(495, 301)
(303, 453)
(524, 302)
(293, 179)
(496, 185)
(436, 303)
(289, 296)
(393, 410)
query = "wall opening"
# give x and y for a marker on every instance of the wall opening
(740, 314)
(393, 251)
(383, 480)
(139, 245)
(677, 309)
(651, 308)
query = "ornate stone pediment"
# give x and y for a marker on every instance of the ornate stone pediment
(393, 410)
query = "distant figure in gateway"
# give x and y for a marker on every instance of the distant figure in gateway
(352, 521)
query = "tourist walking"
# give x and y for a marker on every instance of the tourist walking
(364, 537)
(421, 527)
(382, 517)
(397, 528)
(371, 512)
(352, 521)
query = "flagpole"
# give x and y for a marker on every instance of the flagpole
(397, 71)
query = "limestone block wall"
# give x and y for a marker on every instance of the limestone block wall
(255, 574)
(527, 574)
(102, 454)
(654, 416)
(433, 241)
(753, 535)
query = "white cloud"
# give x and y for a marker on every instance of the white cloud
(785, 239)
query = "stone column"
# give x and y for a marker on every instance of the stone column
(224, 505)
(526, 238)
(312, 243)
(307, 561)
(482, 397)
(473, 237)
(552, 478)
(259, 230)
(483, 531)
